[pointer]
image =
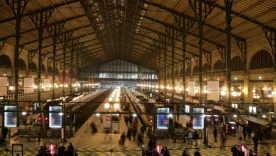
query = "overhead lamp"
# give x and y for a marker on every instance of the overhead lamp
(11, 88)
(223, 92)
(234, 93)
(35, 86)
(24, 113)
(116, 105)
(98, 114)
(260, 77)
(134, 115)
(106, 105)
(170, 115)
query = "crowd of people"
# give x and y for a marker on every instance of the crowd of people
(57, 150)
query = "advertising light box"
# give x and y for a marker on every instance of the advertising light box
(55, 119)
(10, 118)
(162, 119)
(198, 120)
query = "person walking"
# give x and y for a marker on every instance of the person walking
(129, 133)
(244, 132)
(166, 152)
(215, 134)
(190, 137)
(122, 139)
(256, 142)
(222, 140)
(196, 137)
(251, 153)
(197, 153)
(234, 150)
(184, 153)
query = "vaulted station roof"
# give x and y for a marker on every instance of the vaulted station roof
(131, 29)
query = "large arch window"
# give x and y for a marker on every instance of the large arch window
(43, 69)
(32, 67)
(5, 61)
(219, 66)
(206, 68)
(21, 64)
(50, 69)
(237, 64)
(188, 71)
(195, 70)
(262, 59)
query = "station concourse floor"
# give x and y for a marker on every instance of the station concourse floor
(88, 144)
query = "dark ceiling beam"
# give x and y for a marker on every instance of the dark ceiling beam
(80, 53)
(50, 36)
(189, 17)
(249, 19)
(48, 25)
(74, 38)
(71, 46)
(63, 3)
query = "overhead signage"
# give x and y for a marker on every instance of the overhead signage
(55, 119)
(10, 118)
(162, 119)
(198, 120)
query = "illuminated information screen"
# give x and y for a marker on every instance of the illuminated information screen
(162, 119)
(55, 119)
(198, 120)
(10, 118)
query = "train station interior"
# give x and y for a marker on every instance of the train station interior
(137, 77)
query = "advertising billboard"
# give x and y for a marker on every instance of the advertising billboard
(198, 120)
(55, 119)
(162, 121)
(10, 118)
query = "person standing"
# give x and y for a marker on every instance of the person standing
(215, 134)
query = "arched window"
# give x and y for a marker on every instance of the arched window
(32, 67)
(56, 71)
(262, 59)
(237, 64)
(181, 71)
(21, 64)
(43, 69)
(195, 70)
(50, 69)
(176, 71)
(188, 71)
(219, 66)
(5, 61)
(206, 68)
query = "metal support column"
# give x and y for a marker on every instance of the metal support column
(18, 9)
(54, 30)
(40, 20)
(228, 6)
(201, 11)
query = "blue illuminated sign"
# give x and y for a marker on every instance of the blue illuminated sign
(10, 118)
(55, 119)
(198, 120)
(162, 119)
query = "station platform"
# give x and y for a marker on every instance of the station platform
(88, 144)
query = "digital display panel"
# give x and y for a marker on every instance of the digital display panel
(187, 109)
(162, 119)
(198, 120)
(55, 119)
(10, 118)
